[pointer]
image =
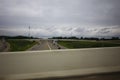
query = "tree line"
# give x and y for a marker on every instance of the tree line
(16, 37)
(60, 37)
(86, 38)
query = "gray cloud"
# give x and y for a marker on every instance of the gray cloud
(104, 31)
(60, 17)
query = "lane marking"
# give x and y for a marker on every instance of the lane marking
(48, 45)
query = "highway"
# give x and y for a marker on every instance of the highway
(59, 63)
(4, 46)
(45, 45)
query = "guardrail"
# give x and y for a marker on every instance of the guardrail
(58, 63)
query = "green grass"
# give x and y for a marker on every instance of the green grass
(20, 44)
(86, 44)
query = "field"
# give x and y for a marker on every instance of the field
(20, 44)
(87, 44)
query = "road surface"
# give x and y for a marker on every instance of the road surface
(45, 45)
(4, 46)
(59, 63)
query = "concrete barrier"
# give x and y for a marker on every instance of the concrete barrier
(58, 63)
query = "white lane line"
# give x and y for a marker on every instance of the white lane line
(49, 46)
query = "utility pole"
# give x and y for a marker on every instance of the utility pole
(29, 31)
(71, 34)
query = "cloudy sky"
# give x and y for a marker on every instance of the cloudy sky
(47, 18)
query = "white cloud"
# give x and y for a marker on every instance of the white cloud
(60, 17)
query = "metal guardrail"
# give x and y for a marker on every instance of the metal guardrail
(58, 63)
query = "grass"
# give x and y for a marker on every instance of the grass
(20, 44)
(86, 44)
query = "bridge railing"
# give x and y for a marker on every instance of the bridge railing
(58, 63)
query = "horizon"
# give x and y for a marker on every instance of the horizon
(57, 37)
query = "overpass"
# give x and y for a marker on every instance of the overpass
(58, 63)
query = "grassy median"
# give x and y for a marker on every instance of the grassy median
(86, 44)
(20, 44)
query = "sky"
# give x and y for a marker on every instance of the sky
(48, 18)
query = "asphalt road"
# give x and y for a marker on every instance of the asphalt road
(45, 45)
(59, 63)
(4, 46)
